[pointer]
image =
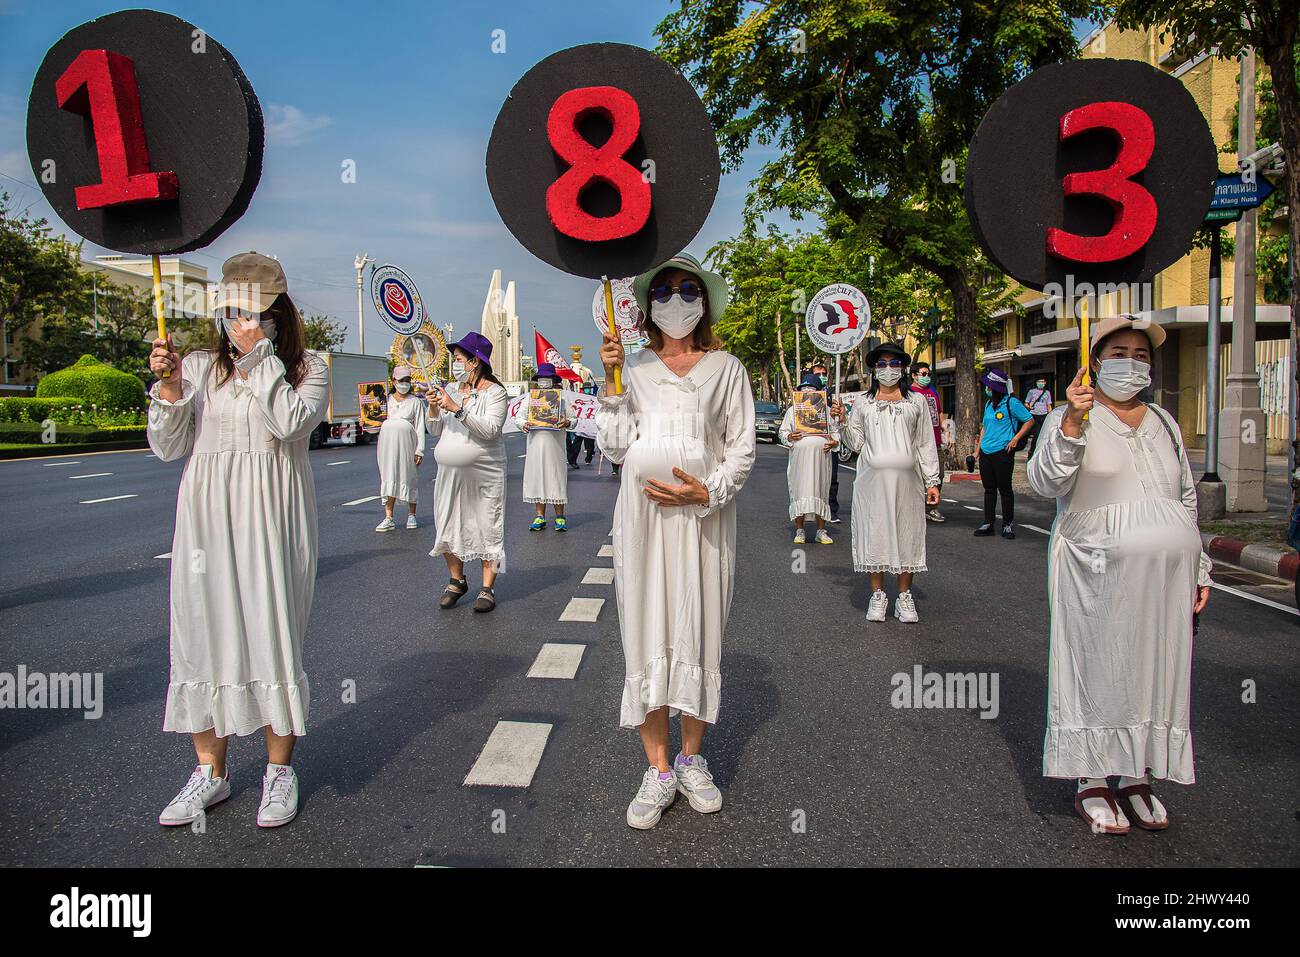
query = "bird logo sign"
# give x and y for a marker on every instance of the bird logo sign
(838, 318)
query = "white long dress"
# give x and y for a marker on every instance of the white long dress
(897, 462)
(1124, 561)
(808, 472)
(546, 472)
(243, 566)
(674, 566)
(469, 492)
(401, 439)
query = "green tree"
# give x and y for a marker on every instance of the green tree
(323, 333)
(872, 103)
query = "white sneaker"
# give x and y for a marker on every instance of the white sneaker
(799, 537)
(411, 522)
(933, 515)
(695, 781)
(654, 797)
(279, 796)
(904, 607)
(878, 606)
(387, 525)
(201, 791)
(823, 538)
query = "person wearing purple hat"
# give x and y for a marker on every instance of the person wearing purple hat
(469, 492)
(401, 449)
(1006, 422)
(546, 478)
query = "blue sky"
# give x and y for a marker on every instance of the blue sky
(407, 90)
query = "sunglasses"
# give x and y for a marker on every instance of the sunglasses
(889, 363)
(689, 291)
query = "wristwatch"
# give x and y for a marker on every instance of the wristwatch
(459, 413)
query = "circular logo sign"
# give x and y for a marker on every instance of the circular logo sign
(838, 318)
(627, 313)
(424, 351)
(396, 300)
(141, 142)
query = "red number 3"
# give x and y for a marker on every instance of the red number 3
(589, 163)
(1135, 208)
(101, 84)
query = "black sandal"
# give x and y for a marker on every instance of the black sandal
(486, 600)
(453, 593)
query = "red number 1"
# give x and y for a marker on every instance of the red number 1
(101, 84)
(1135, 208)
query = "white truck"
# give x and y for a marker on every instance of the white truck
(343, 410)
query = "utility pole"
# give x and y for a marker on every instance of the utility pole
(360, 264)
(1243, 440)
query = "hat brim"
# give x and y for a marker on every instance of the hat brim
(890, 349)
(240, 296)
(715, 287)
(1155, 334)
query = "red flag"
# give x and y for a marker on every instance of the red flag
(548, 353)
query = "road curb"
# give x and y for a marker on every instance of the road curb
(1266, 559)
(73, 448)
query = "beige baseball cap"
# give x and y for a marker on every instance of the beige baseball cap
(251, 282)
(1104, 327)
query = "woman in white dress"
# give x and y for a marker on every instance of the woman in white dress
(1126, 575)
(243, 565)
(898, 477)
(808, 472)
(546, 475)
(401, 450)
(469, 492)
(683, 430)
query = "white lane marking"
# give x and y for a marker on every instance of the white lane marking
(344, 462)
(521, 456)
(557, 660)
(361, 501)
(849, 467)
(55, 465)
(164, 555)
(111, 498)
(598, 576)
(582, 609)
(1255, 598)
(952, 501)
(973, 508)
(1035, 528)
(606, 551)
(511, 755)
(89, 475)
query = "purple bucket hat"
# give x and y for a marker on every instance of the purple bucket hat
(545, 370)
(997, 381)
(476, 345)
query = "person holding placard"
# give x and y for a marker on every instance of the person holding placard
(469, 493)
(1126, 577)
(898, 476)
(543, 417)
(811, 435)
(401, 449)
(243, 565)
(683, 428)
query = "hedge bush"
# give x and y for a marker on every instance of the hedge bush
(31, 433)
(26, 409)
(92, 382)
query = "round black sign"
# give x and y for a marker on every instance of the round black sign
(1143, 165)
(603, 161)
(144, 133)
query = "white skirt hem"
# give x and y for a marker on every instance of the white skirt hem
(891, 569)
(195, 706)
(809, 506)
(1104, 752)
(683, 687)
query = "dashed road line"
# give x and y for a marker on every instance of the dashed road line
(1255, 598)
(973, 508)
(361, 501)
(1035, 528)
(582, 609)
(598, 576)
(510, 757)
(111, 498)
(344, 462)
(89, 475)
(606, 551)
(55, 465)
(556, 660)
(164, 555)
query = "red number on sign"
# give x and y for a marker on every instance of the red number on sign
(101, 84)
(1135, 208)
(596, 164)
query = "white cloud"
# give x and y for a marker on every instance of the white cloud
(287, 125)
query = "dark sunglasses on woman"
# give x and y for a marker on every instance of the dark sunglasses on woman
(889, 363)
(689, 290)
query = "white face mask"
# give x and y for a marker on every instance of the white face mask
(268, 328)
(543, 383)
(458, 371)
(403, 387)
(888, 376)
(1121, 379)
(677, 318)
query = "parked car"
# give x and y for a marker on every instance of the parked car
(767, 420)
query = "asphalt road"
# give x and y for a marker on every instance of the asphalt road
(816, 765)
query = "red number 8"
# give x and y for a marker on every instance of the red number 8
(1135, 208)
(602, 164)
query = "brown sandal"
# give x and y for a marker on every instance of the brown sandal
(1143, 791)
(487, 600)
(1093, 824)
(455, 590)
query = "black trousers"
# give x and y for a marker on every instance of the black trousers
(995, 473)
(576, 442)
(1031, 440)
(833, 500)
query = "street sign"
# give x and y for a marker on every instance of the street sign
(397, 300)
(1234, 193)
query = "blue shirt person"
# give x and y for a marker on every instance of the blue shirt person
(1004, 414)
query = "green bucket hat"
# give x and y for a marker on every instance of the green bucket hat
(715, 287)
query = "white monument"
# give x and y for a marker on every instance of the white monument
(501, 326)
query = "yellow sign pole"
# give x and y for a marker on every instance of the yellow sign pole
(159, 312)
(1085, 342)
(613, 331)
